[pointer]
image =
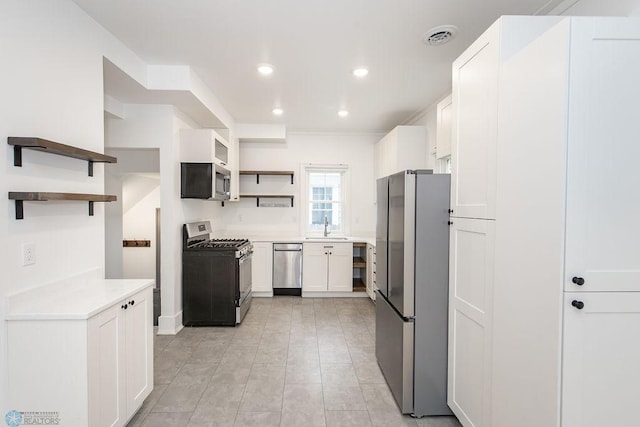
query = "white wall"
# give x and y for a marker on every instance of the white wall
(158, 127)
(243, 218)
(129, 161)
(141, 198)
(51, 86)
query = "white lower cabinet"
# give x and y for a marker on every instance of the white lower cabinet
(327, 267)
(92, 372)
(600, 375)
(371, 271)
(262, 269)
(470, 292)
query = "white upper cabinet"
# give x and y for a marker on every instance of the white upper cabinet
(204, 145)
(444, 127)
(603, 200)
(473, 150)
(405, 147)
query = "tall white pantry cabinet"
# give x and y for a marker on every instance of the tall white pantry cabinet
(545, 244)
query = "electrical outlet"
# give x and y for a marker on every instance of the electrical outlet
(28, 253)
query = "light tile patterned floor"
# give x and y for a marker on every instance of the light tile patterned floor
(292, 362)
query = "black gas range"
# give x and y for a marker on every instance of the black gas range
(216, 277)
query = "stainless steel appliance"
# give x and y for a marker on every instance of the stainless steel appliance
(216, 277)
(204, 181)
(287, 268)
(412, 236)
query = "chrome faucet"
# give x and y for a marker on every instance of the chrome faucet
(326, 226)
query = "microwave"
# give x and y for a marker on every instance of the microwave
(204, 181)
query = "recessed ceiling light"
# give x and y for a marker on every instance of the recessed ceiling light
(360, 72)
(277, 111)
(343, 113)
(265, 69)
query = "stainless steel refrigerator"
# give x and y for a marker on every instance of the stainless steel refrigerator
(412, 259)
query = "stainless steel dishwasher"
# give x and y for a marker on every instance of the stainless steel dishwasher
(287, 269)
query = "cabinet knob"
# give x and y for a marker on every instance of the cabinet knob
(125, 306)
(326, 253)
(132, 302)
(577, 304)
(330, 253)
(578, 281)
(450, 211)
(450, 222)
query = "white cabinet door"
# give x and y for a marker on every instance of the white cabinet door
(262, 267)
(314, 267)
(470, 295)
(603, 206)
(138, 340)
(340, 276)
(410, 148)
(601, 379)
(475, 103)
(106, 368)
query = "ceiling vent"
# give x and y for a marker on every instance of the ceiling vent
(439, 35)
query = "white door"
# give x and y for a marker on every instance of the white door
(139, 349)
(603, 206)
(470, 319)
(340, 277)
(474, 132)
(262, 267)
(601, 379)
(314, 267)
(107, 376)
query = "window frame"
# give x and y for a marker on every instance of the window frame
(305, 212)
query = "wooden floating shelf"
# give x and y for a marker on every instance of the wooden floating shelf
(136, 243)
(258, 173)
(267, 196)
(51, 147)
(358, 285)
(20, 197)
(359, 262)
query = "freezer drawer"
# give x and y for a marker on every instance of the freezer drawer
(394, 351)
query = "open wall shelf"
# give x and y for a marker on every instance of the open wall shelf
(268, 196)
(21, 197)
(51, 147)
(258, 173)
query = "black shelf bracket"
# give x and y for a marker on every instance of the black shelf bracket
(17, 156)
(19, 209)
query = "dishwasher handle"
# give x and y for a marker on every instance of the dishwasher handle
(287, 247)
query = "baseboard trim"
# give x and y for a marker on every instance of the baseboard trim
(262, 294)
(170, 325)
(334, 294)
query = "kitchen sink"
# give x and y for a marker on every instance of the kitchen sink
(326, 238)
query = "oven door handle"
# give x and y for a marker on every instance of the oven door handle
(245, 257)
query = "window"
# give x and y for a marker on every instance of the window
(325, 199)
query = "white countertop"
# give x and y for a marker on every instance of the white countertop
(370, 240)
(75, 299)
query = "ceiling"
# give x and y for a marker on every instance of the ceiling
(313, 45)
